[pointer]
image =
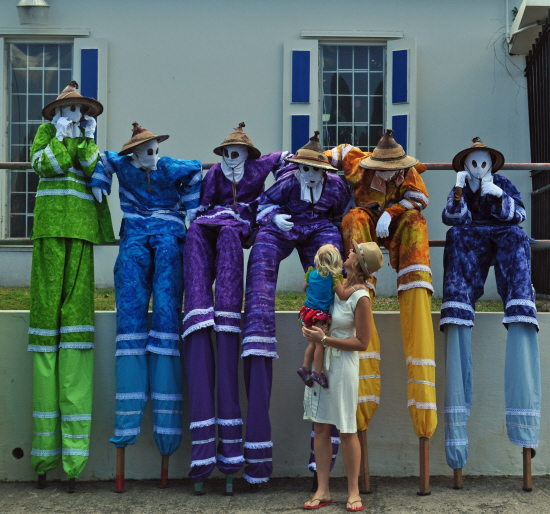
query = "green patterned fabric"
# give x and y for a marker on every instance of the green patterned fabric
(65, 206)
(61, 333)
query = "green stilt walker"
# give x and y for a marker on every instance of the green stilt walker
(67, 223)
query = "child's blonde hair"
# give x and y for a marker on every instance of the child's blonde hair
(328, 261)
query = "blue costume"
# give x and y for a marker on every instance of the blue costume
(485, 231)
(150, 260)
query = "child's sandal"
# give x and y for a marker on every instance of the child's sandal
(321, 379)
(305, 375)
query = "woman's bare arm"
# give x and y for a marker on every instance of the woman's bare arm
(362, 326)
(305, 287)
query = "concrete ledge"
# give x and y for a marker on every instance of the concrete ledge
(393, 446)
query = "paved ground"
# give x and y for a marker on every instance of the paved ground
(480, 494)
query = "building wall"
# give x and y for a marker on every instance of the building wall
(195, 69)
(393, 446)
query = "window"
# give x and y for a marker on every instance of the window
(38, 72)
(352, 94)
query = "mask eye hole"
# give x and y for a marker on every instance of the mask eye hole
(157, 151)
(305, 168)
(225, 152)
(73, 108)
(150, 151)
(314, 168)
(234, 155)
(474, 164)
(483, 165)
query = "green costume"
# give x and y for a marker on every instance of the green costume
(67, 222)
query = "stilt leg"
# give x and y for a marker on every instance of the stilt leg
(41, 481)
(199, 489)
(314, 484)
(364, 478)
(253, 488)
(457, 478)
(120, 470)
(424, 467)
(164, 472)
(527, 486)
(72, 485)
(229, 485)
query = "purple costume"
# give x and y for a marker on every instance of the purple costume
(213, 251)
(313, 227)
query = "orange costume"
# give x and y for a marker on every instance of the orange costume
(402, 196)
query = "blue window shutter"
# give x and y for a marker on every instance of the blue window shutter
(300, 76)
(300, 131)
(399, 125)
(89, 74)
(400, 76)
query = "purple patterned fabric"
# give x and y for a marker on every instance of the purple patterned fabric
(313, 227)
(214, 252)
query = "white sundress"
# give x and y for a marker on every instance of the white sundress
(337, 405)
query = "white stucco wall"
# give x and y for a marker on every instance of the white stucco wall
(195, 69)
(393, 446)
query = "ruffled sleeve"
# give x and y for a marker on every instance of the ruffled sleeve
(335, 279)
(309, 270)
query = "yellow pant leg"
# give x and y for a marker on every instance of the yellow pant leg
(369, 378)
(418, 342)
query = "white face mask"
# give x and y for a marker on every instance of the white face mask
(479, 165)
(387, 175)
(146, 155)
(311, 180)
(234, 157)
(73, 113)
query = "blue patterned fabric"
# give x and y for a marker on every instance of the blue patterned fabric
(175, 186)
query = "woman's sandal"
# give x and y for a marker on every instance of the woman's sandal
(305, 375)
(322, 503)
(352, 509)
(321, 379)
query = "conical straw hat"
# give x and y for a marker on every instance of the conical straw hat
(496, 156)
(139, 136)
(238, 137)
(69, 96)
(312, 154)
(388, 155)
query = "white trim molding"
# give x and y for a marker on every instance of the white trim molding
(372, 35)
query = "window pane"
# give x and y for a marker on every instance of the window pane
(329, 136)
(329, 58)
(33, 181)
(344, 135)
(30, 222)
(361, 83)
(17, 225)
(31, 131)
(18, 181)
(18, 133)
(35, 81)
(361, 109)
(35, 107)
(377, 58)
(18, 108)
(345, 114)
(329, 109)
(36, 56)
(18, 56)
(51, 82)
(376, 83)
(345, 83)
(66, 56)
(51, 59)
(361, 58)
(31, 199)
(18, 154)
(18, 203)
(361, 136)
(345, 54)
(375, 134)
(329, 83)
(19, 81)
(376, 110)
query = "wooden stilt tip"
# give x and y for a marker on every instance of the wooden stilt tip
(72, 485)
(314, 483)
(41, 481)
(199, 489)
(457, 479)
(424, 467)
(164, 472)
(527, 482)
(228, 486)
(364, 473)
(120, 454)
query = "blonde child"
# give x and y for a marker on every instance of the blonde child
(321, 282)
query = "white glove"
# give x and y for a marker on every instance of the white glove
(90, 126)
(281, 222)
(383, 225)
(461, 177)
(98, 192)
(62, 126)
(192, 215)
(489, 188)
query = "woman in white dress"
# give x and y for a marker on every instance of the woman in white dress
(349, 333)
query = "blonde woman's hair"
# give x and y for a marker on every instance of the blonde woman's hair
(328, 261)
(358, 270)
